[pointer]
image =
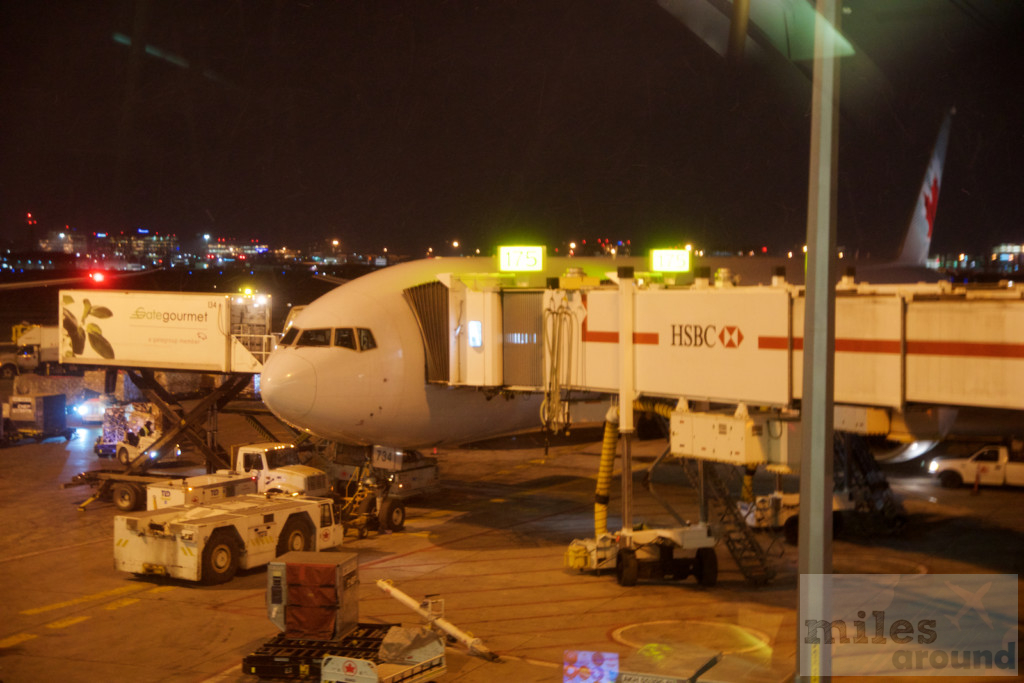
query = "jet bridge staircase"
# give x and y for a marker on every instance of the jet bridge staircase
(857, 473)
(753, 561)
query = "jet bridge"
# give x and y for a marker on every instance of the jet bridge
(906, 356)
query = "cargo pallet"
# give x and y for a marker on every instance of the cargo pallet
(282, 657)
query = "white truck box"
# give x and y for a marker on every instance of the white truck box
(200, 490)
(180, 330)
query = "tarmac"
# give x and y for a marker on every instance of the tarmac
(491, 543)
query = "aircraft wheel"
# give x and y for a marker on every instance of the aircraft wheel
(392, 515)
(8, 371)
(297, 535)
(705, 567)
(220, 558)
(126, 497)
(951, 480)
(627, 568)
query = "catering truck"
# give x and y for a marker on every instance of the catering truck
(179, 330)
(36, 349)
(210, 543)
(990, 466)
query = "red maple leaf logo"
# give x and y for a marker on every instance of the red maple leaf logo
(931, 202)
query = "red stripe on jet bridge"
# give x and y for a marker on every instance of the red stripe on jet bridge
(613, 337)
(962, 348)
(918, 348)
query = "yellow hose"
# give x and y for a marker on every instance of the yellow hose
(608, 448)
(604, 472)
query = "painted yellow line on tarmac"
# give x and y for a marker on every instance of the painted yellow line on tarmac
(161, 589)
(85, 598)
(64, 623)
(16, 639)
(123, 602)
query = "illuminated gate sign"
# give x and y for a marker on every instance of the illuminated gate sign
(670, 260)
(520, 259)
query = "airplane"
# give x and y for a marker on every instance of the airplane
(351, 365)
(351, 368)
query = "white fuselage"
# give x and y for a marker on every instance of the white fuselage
(380, 395)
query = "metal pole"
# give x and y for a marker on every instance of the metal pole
(815, 534)
(627, 394)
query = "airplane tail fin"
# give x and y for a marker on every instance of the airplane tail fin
(918, 239)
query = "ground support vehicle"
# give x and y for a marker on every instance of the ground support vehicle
(366, 504)
(778, 510)
(989, 466)
(408, 472)
(127, 491)
(313, 598)
(35, 416)
(209, 543)
(198, 490)
(353, 659)
(672, 552)
(38, 350)
(277, 469)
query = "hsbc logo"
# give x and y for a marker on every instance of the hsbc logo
(706, 336)
(730, 336)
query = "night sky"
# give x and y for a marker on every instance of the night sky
(408, 124)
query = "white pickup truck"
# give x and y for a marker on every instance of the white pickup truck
(991, 466)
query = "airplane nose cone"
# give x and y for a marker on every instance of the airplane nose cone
(288, 385)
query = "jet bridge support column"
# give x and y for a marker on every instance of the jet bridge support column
(627, 394)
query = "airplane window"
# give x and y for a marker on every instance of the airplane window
(314, 338)
(345, 337)
(289, 336)
(366, 340)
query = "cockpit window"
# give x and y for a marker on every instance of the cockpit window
(315, 338)
(345, 337)
(366, 340)
(289, 336)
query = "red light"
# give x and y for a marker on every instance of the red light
(764, 250)
(98, 277)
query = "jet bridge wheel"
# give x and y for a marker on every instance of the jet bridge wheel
(705, 567)
(627, 567)
(220, 557)
(296, 535)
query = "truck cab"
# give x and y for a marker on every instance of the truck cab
(990, 466)
(277, 468)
